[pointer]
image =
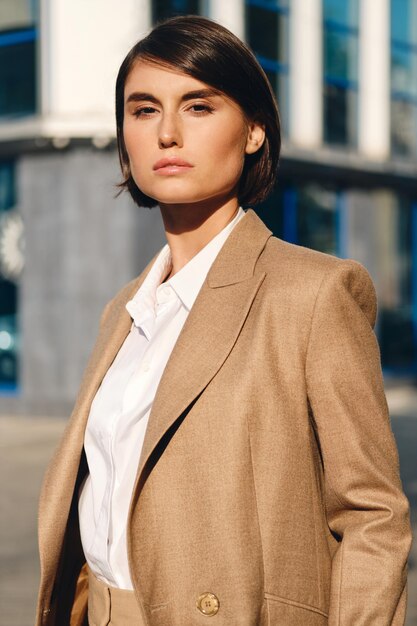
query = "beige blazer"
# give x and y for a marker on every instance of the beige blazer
(269, 474)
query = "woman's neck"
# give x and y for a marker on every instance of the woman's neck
(189, 228)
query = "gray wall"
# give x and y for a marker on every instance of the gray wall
(82, 246)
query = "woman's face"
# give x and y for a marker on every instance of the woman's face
(186, 142)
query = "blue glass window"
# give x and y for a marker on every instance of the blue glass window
(397, 303)
(340, 63)
(9, 335)
(404, 77)
(17, 73)
(306, 214)
(342, 13)
(267, 35)
(162, 9)
(18, 38)
(272, 211)
(317, 218)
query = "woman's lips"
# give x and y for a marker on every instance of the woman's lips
(172, 169)
(172, 165)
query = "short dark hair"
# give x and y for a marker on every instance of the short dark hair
(213, 55)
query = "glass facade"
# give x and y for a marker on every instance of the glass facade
(340, 71)
(396, 324)
(9, 334)
(382, 235)
(267, 34)
(317, 218)
(18, 35)
(274, 211)
(162, 9)
(404, 78)
(305, 214)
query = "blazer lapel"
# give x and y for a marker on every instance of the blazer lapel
(210, 330)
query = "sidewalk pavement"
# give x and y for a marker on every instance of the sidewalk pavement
(26, 445)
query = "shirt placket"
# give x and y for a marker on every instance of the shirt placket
(104, 527)
(117, 429)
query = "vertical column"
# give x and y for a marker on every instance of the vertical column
(374, 79)
(144, 24)
(82, 47)
(306, 73)
(231, 14)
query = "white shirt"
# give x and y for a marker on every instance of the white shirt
(120, 410)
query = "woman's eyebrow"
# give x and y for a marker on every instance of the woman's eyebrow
(140, 96)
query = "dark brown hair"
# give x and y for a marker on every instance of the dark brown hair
(213, 55)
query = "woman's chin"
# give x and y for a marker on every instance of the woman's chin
(172, 196)
(175, 199)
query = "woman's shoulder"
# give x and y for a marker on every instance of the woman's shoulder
(300, 274)
(298, 263)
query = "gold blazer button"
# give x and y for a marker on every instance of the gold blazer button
(208, 603)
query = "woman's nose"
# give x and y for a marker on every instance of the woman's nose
(169, 131)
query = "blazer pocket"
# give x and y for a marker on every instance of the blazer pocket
(292, 613)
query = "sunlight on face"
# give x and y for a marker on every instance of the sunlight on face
(186, 142)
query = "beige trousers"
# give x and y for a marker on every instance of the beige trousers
(108, 606)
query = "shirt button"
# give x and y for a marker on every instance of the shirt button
(208, 603)
(146, 367)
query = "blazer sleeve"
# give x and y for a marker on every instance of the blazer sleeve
(366, 508)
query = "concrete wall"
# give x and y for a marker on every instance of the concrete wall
(82, 245)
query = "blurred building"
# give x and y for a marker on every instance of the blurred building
(345, 75)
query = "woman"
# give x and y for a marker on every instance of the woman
(230, 453)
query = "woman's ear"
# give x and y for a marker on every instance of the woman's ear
(255, 138)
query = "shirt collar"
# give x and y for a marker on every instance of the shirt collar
(186, 283)
(141, 307)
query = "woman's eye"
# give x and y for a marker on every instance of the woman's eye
(198, 109)
(144, 111)
(201, 108)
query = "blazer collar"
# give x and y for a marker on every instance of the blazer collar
(237, 259)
